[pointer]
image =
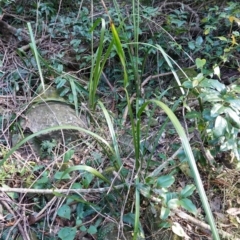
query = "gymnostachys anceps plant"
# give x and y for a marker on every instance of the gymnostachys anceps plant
(136, 127)
(180, 131)
(97, 64)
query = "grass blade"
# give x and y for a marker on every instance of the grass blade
(34, 48)
(98, 63)
(191, 161)
(103, 142)
(88, 169)
(112, 133)
(74, 92)
(171, 66)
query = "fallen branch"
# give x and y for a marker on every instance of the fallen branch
(5, 27)
(26, 47)
(179, 213)
(202, 225)
(62, 191)
(195, 221)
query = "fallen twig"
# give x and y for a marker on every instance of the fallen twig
(17, 222)
(201, 224)
(53, 191)
(195, 221)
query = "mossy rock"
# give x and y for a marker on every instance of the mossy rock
(50, 114)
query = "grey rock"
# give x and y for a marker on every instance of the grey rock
(49, 114)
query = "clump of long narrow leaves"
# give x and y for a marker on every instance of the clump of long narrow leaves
(97, 66)
(98, 63)
(180, 131)
(113, 136)
(36, 54)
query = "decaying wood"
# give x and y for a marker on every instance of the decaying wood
(5, 28)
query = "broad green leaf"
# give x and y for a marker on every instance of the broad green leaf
(165, 181)
(144, 189)
(59, 175)
(164, 213)
(187, 191)
(228, 145)
(92, 230)
(212, 83)
(220, 126)
(188, 84)
(165, 224)
(199, 40)
(166, 196)
(79, 222)
(188, 205)
(235, 104)
(83, 228)
(129, 218)
(42, 180)
(217, 109)
(67, 233)
(87, 179)
(205, 83)
(76, 185)
(64, 211)
(178, 230)
(80, 210)
(206, 31)
(200, 63)
(68, 155)
(235, 88)
(217, 85)
(200, 77)
(193, 114)
(211, 96)
(233, 116)
(178, 22)
(60, 82)
(206, 114)
(191, 45)
(173, 203)
(222, 38)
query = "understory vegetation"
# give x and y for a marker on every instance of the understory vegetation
(119, 119)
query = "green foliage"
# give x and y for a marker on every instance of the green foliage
(97, 66)
(64, 211)
(47, 147)
(126, 54)
(67, 233)
(219, 120)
